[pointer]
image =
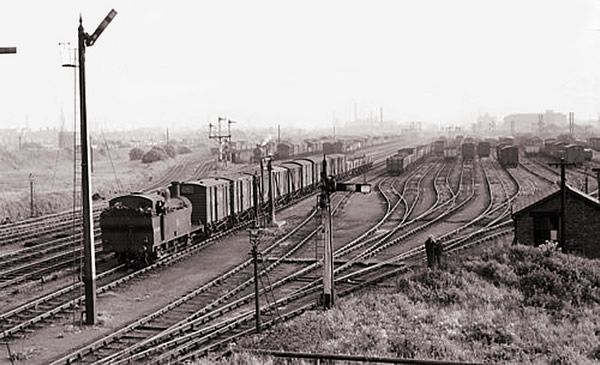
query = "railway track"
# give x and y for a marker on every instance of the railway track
(185, 347)
(205, 334)
(36, 315)
(219, 290)
(195, 324)
(22, 316)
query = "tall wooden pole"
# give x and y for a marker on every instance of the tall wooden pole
(31, 201)
(325, 206)
(563, 198)
(271, 192)
(254, 252)
(86, 196)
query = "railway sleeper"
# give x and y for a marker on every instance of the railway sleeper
(132, 336)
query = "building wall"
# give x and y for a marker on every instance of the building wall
(583, 225)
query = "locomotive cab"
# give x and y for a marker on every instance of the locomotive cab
(140, 227)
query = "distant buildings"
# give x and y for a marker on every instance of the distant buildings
(485, 123)
(529, 122)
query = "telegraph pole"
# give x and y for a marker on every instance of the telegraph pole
(254, 235)
(86, 40)
(563, 197)
(31, 202)
(271, 192)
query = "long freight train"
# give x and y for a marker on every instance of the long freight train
(141, 227)
(405, 157)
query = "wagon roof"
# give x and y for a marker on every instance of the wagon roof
(335, 155)
(290, 164)
(209, 181)
(301, 162)
(278, 168)
(232, 176)
(314, 159)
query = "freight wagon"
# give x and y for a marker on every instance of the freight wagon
(294, 173)
(508, 156)
(141, 227)
(483, 149)
(396, 164)
(438, 147)
(450, 152)
(468, 150)
(210, 202)
(330, 147)
(241, 194)
(594, 142)
(531, 150)
(241, 156)
(286, 150)
(336, 164)
(574, 154)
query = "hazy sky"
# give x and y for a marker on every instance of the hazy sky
(298, 63)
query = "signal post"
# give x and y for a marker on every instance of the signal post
(87, 40)
(328, 186)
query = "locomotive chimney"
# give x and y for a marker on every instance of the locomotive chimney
(175, 189)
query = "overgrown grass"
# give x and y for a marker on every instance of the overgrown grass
(514, 304)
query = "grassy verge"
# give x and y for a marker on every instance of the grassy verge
(511, 304)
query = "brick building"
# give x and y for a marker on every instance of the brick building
(540, 221)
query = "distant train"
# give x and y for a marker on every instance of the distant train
(572, 153)
(406, 157)
(141, 227)
(287, 150)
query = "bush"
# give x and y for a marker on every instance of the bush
(136, 154)
(155, 154)
(507, 305)
(170, 150)
(182, 150)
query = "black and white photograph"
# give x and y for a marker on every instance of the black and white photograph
(299, 182)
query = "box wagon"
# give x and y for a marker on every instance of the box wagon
(483, 149)
(468, 151)
(294, 172)
(317, 166)
(307, 175)
(241, 193)
(210, 201)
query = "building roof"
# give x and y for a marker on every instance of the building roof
(547, 195)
